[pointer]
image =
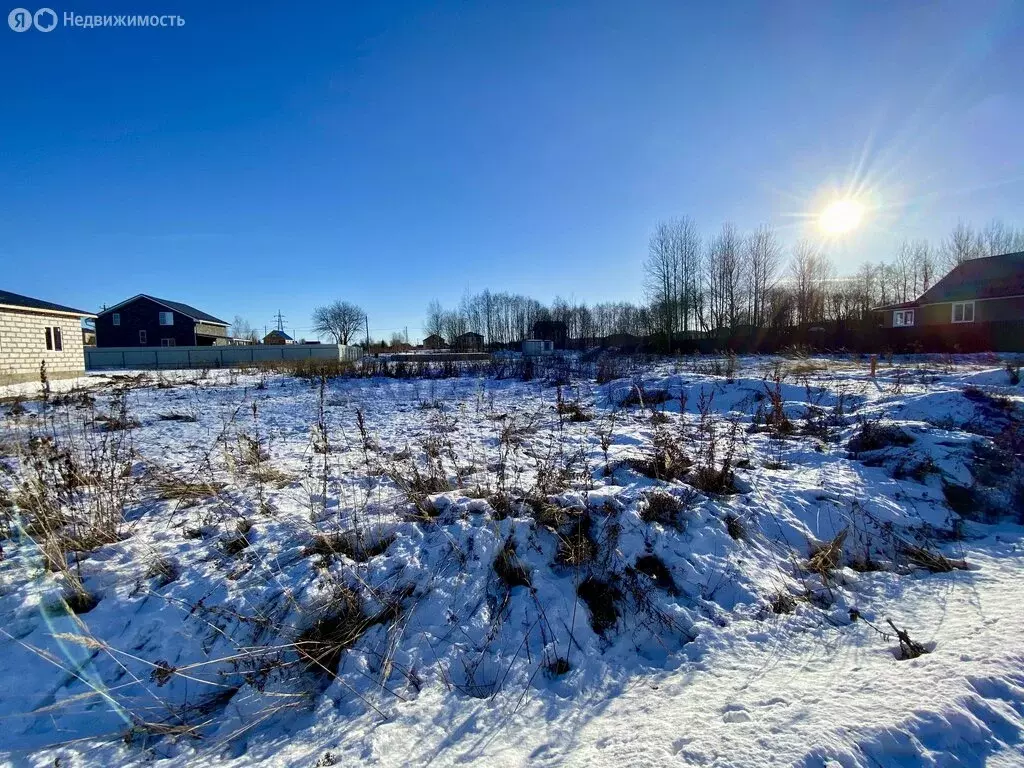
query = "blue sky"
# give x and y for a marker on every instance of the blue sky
(390, 153)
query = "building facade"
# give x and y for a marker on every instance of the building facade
(146, 321)
(33, 332)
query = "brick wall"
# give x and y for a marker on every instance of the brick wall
(23, 346)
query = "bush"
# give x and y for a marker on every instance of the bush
(874, 436)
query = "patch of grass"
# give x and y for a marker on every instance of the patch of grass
(234, 543)
(826, 558)
(163, 571)
(172, 488)
(782, 602)
(574, 411)
(178, 416)
(735, 527)
(644, 397)
(339, 627)
(350, 544)
(665, 508)
(874, 436)
(509, 567)
(576, 545)
(654, 567)
(558, 667)
(932, 561)
(711, 479)
(601, 598)
(980, 396)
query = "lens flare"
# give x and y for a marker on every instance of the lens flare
(840, 217)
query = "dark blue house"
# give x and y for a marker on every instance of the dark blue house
(146, 321)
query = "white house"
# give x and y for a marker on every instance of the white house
(33, 331)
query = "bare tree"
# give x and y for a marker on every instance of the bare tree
(997, 239)
(963, 244)
(810, 270)
(762, 258)
(241, 329)
(724, 278)
(662, 270)
(924, 267)
(434, 324)
(340, 320)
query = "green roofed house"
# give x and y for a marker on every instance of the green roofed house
(987, 290)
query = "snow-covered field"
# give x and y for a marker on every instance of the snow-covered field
(695, 562)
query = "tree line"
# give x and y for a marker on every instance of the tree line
(697, 285)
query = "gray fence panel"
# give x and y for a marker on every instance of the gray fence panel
(150, 358)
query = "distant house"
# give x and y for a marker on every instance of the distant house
(984, 290)
(146, 321)
(33, 331)
(278, 337)
(468, 342)
(552, 330)
(433, 341)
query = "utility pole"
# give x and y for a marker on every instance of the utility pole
(280, 321)
(367, 319)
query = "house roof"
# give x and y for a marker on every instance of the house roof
(469, 333)
(992, 277)
(176, 306)
(8, 299)
(902, 305)
(282, 334)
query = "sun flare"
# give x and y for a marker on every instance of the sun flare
(840, 217)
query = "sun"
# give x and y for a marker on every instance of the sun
(840, 217)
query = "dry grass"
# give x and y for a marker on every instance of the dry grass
(826, 558)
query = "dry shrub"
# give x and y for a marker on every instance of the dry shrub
(342, 622)
(178, 416)
(909, 649)
(825, 558)
(735, 527)
(874, 435)
(645, 398)
(549, 514)
(576, 545)
(234, 543)
(711, 479)
(172, 488)
(601, 598)
(163, 571)
(782, 602)
(932, 561)
(510, 568)
(654, 567)
(664, 508)
(574, 411)
(352, 544)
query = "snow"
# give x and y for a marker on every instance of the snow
(453, 666)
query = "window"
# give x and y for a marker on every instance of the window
(166, 318)
(116, 318)
(54, 339)
(902, 318)
(963, 312)
(142, 337)
(167, 343)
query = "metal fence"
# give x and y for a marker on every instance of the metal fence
(152, 358)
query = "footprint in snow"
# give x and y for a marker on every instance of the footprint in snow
(735, 713)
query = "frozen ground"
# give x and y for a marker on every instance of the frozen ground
(694, 562)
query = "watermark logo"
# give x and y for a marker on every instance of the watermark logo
(45, 20)
(20, 20)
